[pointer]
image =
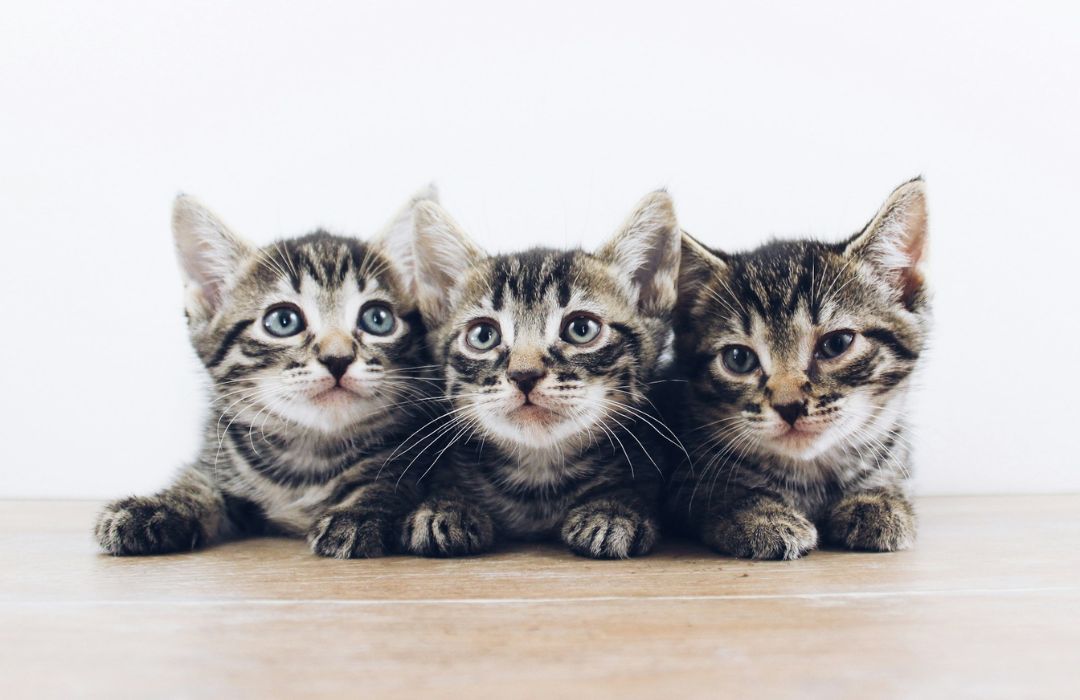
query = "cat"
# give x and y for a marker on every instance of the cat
(799, 357)
(317, 361)
(548, 355)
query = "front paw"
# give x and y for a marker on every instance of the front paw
(609, 529)
(768, 530)
(351, 534)
(146, 525)
(448, 528)
(877, 521)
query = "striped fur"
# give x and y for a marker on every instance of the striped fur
(568, 451)
(803, 441)
(300, 427)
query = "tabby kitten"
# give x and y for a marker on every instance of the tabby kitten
(548, 356)
(799, 356)
(317, 361)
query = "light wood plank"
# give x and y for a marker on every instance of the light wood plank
(986, 605)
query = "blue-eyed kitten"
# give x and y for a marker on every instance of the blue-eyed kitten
(799, 356)
(315, 351)
(548, 355)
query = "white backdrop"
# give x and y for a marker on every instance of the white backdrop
(541, 122)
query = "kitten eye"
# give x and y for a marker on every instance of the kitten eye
(483, 335)
(376, 319)
(739, 359)
(283, 321)
(581, 330)
(834, 344)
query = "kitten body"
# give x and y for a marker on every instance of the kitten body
(317, 364)
(548, 357)
(798, 357)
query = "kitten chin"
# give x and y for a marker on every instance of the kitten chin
(559, 425)
(856, 422)
(334, 411)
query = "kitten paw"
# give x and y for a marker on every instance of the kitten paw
(877, 521)
(442, 528)
(145, 525)
(608, 529)
(762, 531)
(351, 534)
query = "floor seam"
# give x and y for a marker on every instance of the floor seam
(311, 602)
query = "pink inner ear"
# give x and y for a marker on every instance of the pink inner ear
(203, 265)
(915, 249)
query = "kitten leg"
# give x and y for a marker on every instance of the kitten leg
(612, 525)
(188, 514)
(364, 525)
(759, 527)
(448, 526)
(881, 520)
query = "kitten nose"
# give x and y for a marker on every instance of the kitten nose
(338, 365)
(791, 412)
(526, 379)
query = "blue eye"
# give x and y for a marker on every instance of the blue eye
(581, 329)
(834, 344)
(483, 335)
(377, 319)
(283, 321)
(739, 359)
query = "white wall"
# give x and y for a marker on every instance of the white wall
(542, 122)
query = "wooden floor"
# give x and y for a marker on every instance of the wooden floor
(987, 605)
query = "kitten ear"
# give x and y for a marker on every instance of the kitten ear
(895, 240)
(210, 254)
(444, 253)
(698, 266)
(646, 253)
(397, 240)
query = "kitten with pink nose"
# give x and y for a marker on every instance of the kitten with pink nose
(799, 357)
(318, 370)
(548, 358)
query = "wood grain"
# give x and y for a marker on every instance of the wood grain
(987, 605)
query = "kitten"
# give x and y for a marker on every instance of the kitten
(317, 361)
(548, 357)
(798, 356)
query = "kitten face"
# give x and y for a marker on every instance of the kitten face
(549, 349)
(796, 348)
(542, 348)
(316, 331)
